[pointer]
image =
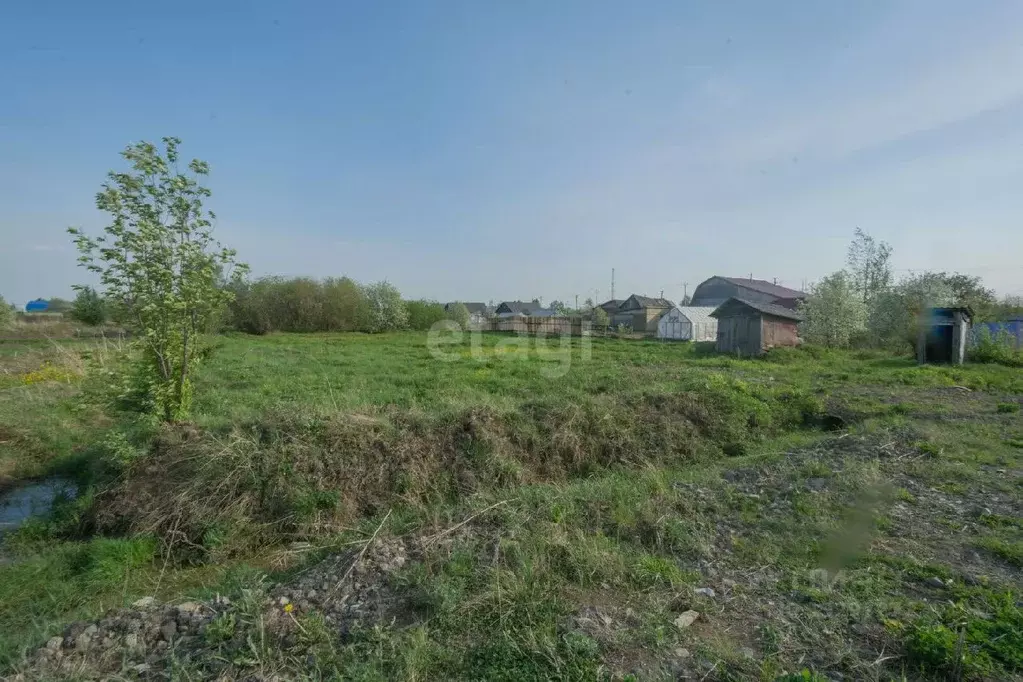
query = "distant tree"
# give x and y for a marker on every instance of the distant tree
(159, 263)
(250, 309)
(970, 291)
(588, 304)
(458, 313)
(6, 313)
(870, 266)
(384, 308)
(422, 315)
(58, 305)
(341, 301)
(892, 321)
(1008, 307)
(88, 307)
(558, 307)
(600, 317)
(686, 300)
(834, 312)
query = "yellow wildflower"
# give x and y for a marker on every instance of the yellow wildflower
(288, 608)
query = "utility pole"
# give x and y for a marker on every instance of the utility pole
(612, 283)
(577, 301)
(685, 292)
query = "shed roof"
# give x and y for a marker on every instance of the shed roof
(948, 312)
(765, 308)
(765, 287)
(648, 302)
(611, 304)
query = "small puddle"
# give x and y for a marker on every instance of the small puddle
(17, 505)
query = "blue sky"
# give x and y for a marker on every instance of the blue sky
(496, 150)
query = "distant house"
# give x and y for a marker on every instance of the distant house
(611, 307)
(717, 290)
(686, 323)
(522, 309)
(641, 312)
(478, 312)
(37, 306)
(752, 327)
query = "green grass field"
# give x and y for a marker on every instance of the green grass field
(560, 513)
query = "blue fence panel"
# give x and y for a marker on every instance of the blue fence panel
(1013, 328)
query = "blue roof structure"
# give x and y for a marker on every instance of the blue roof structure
(36, 306)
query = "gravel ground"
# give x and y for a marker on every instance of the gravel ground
(147, 640)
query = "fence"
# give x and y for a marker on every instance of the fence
(1012, 329)
(572, 326)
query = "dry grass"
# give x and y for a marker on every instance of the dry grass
(289, 477)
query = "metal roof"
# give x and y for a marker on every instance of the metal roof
(764, 287)
(647, 302)
(765, 308)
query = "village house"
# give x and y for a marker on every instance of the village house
(753, 327)
(641, 313)
(716, 290)
(522, 309)
(478, 312)
(611, 307)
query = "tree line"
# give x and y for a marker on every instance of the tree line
(864, 305)
(303, 304)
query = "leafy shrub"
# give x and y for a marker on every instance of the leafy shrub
(459, 314)
(834, 311)
(308, 305)
(997, 348)
(6, 313)
(88, 307)
(422, 315)
(384, 310)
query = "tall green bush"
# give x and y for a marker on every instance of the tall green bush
(88, 307)
(308, 305)
(458, 313)
(999, 348)
(422, 315)
(835, 312)
(158, 261)
(6, 313)
(385, 310)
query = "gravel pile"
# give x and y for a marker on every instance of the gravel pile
(139, 642)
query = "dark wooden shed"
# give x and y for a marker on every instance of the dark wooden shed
(943, 335)
(752, 327)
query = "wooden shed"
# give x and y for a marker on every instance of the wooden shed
(943, 335)
(751, 327)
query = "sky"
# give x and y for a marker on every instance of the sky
(467, 150)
